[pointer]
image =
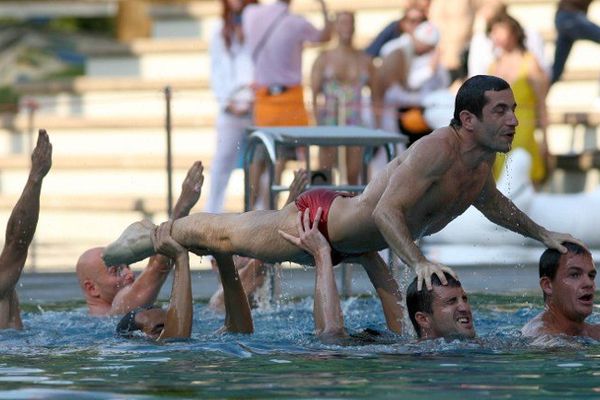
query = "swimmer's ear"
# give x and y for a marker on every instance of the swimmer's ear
(90, 288)
(546, 285)
(423, 320)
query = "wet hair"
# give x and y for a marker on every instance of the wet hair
(550, 259)
(127, 325)
(421, 300)
(513, 26)
(471, 95)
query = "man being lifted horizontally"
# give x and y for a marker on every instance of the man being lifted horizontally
(416, 194)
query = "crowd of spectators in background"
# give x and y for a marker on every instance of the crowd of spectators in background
(402, 81)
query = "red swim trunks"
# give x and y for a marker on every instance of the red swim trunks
(315, 198)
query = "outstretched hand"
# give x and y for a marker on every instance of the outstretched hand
(41, 158)
(191, 188)
(555, 240)
(309, 237)
(298, 185)
(163, 242)
(426, 269)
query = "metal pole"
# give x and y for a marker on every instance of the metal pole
(341, 162)
(169, 155)
(31, 106)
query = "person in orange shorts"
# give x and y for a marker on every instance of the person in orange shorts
(275, 38)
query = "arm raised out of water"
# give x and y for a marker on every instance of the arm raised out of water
(20, 230)
(178, 323)
(500, 210)
(146, 287)
(327, 311)
(407, 186)
(238, 317)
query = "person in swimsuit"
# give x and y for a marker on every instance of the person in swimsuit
(416, 194)
(338, 78)
(441, 312)
(19, 233)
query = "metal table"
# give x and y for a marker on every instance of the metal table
(274, 138)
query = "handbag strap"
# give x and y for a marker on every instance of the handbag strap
(267, 35)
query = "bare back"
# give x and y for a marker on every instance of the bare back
(432, 183)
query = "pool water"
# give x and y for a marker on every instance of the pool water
(64, 354)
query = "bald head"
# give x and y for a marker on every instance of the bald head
(89, 265)
(100, 284)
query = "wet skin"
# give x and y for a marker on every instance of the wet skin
(569, 300)
(451, 315)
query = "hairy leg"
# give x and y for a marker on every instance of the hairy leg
(251, 234)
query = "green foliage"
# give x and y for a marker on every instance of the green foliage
(91, 25)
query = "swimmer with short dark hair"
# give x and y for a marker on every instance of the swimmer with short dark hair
(443, 311)
(417, 194)
(20, 230)
(568, 284)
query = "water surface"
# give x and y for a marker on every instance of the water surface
(63, 354)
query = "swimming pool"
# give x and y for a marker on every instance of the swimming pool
(64, 354)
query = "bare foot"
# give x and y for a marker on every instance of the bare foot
(134, 244)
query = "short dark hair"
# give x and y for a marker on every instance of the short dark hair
(127, 325)
(550, 259)
(471, 95)
(421, 300)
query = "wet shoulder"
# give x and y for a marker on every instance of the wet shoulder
(437, 150)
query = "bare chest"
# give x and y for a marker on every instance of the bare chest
(448, 198)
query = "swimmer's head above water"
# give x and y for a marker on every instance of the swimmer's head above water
(443, 311)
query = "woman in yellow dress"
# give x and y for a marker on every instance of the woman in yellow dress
(529, 83)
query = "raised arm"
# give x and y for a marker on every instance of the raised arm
(178, 323)
(146, 287)
(500, 210)
(238, 317)
(327, 24)
(24, 218)
(327, 311)
(408, 184)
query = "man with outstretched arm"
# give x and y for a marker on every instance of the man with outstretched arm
(19, 233)
(568, 283)
(115, 290)
(417, 194)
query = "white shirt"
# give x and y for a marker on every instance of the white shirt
(230, 69)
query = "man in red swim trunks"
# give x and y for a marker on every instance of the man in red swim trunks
(321, 198)
(416, 194)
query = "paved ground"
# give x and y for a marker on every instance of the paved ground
(50, 287)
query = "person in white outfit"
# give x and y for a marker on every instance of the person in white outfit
(230, 78)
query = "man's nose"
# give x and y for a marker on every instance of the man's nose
(463, 305)
(512, 119)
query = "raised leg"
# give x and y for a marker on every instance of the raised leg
(251, 234)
